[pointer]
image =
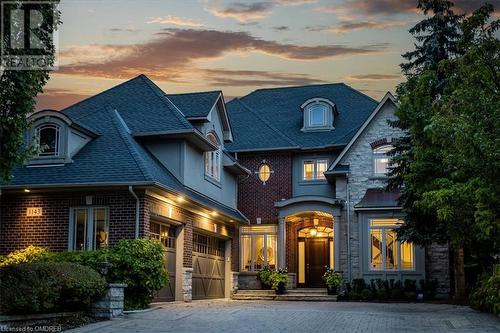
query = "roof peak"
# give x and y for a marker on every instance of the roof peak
(196, 92)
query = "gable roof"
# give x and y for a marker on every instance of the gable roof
(388, 97)
(277, 112)
(196, 104)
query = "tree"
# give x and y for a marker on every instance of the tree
(449, 108)
(18, 89)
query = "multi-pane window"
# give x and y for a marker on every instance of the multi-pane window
(317, 115)
(164, 233)
(386, 252)
(264, 172)
(89, 228)
(48, 139)
(209, 245)
(314, 169)
(213, 158)
(258, 248)
(381, 160)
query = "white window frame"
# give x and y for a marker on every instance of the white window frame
(317, 176)
(380, 153)
(383, 244)
(57, 128)
(213, 158)
(310, 108)
(267, 235)
(89, 228)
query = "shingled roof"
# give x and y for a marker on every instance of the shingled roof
(197, 104)
(269, 119)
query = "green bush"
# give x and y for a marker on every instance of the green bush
(279, 277)
(366, 294)
(486, 296)
(264, 275)
(29, 254)
(48, 287)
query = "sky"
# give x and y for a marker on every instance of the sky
(235, 46)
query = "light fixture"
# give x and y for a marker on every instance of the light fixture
(180, 198)
(214, 213)
(313, 231)
(26, 190)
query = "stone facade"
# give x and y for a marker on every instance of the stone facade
(111, 304)
(187, 284)
(437, 266)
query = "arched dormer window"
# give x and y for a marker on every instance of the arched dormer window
(213, 158)
(48, 139)
(318, 114)
(381, 160)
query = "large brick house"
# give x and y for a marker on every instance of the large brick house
(287, 177)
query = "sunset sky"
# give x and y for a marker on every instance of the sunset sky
(235, 46)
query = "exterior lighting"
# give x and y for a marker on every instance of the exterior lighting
(313, 231)
(26, 190)
(214, 213)
(180, 199)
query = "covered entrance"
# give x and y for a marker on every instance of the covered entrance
(315, 250)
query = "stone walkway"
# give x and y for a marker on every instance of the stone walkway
(317, 317)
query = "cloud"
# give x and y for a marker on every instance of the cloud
(225, 77)
(281, 28)
(295, 2)
(58, 99)
(241, 11)
(170, 56)
(123, 30)
(179, 21)
(348, 26)
(373, 77)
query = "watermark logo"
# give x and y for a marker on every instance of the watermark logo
(29, 35)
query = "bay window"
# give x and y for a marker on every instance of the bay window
(258, 248)
(89, 228)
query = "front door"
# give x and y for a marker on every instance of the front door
(317, 257)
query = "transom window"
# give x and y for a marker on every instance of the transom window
(164, 233)
(258, 248)
(386, 252)
(314, 169)
(317, 115)
(48, 139)
(213, 158)
(89, 228)
(381, 160)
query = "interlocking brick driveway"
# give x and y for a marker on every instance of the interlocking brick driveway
(258, 316)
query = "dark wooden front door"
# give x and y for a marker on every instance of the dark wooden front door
(316, 259)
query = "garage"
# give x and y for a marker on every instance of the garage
(166, 234)
(208, 266)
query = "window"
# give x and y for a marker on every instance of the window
(264, 173)
(386, 252)
(209, 245)
(89, 228)
(164, 233)
(213, 158)
(48, 139)
(314, 169)
(258, 248)
(381, 160)
(317, 115)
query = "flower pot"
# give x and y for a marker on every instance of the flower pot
(281, 289)
(332, 289)
(265, 286)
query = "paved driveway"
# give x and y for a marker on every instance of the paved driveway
(258, 316)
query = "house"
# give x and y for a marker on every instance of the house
(285, 177)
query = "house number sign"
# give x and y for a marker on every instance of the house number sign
(34, 211)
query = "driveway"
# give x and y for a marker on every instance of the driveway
(318, 317)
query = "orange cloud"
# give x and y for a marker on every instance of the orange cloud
(175, 21)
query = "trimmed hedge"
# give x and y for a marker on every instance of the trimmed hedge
(29, 254)
(382, 290)
(28, 288)
(486, 296)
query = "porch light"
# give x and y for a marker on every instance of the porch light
(313, 231)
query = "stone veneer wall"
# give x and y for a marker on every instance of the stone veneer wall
(437, 266)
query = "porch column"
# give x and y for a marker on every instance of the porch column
(282, 243)
(336, 241)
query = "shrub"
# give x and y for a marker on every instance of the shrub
(47, 287)
(264, 275)
(331, 277)
(279, 277)
(366, 294)
(29, 254)
(429, 288)
(486, 295)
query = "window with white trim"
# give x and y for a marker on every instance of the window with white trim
(89, 228)
(213, 158)
(317, 115)
(314, 169)
(381, 161)
(386, 252)
(259, 246)
(48, 139)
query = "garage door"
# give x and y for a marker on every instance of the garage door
(166, 234)
(208, 266)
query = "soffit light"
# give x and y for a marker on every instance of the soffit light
(26, 190)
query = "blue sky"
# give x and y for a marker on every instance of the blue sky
(234, 46)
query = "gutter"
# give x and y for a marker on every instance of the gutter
(348, 226)
(130, 189)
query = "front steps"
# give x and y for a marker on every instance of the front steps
(302, 294)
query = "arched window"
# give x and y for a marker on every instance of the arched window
(213, 158)
(317, 115)
(381, 160)
(48, 139)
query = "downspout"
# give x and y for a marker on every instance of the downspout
(136, 211)
(348, 194)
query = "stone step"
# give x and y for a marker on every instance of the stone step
(307, 291)
(317, 295)
(310, 298)
(253, 297)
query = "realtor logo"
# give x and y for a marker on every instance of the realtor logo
(29, 36)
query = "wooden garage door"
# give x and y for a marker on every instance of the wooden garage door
(166, 234)
(208, 266)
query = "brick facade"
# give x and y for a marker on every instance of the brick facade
(256, 199)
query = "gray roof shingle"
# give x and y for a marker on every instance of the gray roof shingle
(197, 104)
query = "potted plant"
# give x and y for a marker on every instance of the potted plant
(264, 275)
(279, 280)
(332, 279)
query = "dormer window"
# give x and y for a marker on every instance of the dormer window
(48, 139)
(318, 114)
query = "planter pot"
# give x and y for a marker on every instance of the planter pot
(265, 286)
(332, 290)
(281, 289)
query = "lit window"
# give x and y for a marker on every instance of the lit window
(386, 252)
(90, 229)
(314, 169)
(317, 115)
(258, 248)
(164, 233)
(213, 158)
(264, 172)
(48, 140)
(381, 160)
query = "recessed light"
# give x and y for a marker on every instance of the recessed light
(180, 198)
(214, 213)
(26, 190)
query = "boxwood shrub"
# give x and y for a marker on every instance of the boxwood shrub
(486, 296)
(43, 287)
